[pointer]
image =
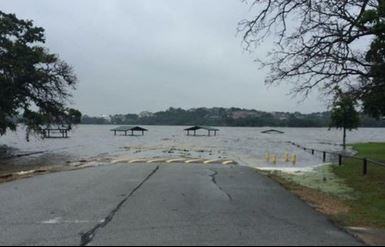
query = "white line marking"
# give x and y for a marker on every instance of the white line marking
(59, 220)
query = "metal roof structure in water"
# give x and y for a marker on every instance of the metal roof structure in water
(127, 129)
(196, 128)
(272, 131)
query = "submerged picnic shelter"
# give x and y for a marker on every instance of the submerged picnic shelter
(127, 129)
(55, 132)
(194, 129)
(273, 131)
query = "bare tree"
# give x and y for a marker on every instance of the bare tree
(319, 44)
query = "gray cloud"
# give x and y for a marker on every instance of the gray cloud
(148, 55)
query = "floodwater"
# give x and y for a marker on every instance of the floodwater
(247, 146)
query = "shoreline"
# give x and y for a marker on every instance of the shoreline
(343, 193)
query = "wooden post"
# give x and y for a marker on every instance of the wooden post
(365, 166)
(340, 160)
(324, 157)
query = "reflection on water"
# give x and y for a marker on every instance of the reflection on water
(248, 146)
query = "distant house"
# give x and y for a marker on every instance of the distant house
(146, 114)
(194, 129)
(106, 117)
(244, 114)
(127, 129)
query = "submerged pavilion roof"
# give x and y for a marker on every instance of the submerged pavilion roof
(201, 127)
(129, 128)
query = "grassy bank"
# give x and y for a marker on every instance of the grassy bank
(368, 209)
(343, 193)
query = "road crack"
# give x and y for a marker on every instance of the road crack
(214, 180)
(87, 237)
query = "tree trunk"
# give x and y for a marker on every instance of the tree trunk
(344, 139)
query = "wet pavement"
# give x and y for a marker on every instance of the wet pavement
(159, 204)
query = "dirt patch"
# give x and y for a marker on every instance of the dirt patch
(322, 202)
(325, 205)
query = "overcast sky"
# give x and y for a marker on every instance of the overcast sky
(136, 55)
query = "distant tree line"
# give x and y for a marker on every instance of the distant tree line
(226, 117)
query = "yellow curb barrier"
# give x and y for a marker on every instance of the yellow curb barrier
(178, 160)
(138, 161)
(175, 160)
(156, 160)
(228, 162)
(212, 161)
(120, 161)
(194, 161)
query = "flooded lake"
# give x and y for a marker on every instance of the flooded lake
(247, 146)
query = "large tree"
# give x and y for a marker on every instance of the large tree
(34, 83)
(324, 44)
(344, 114)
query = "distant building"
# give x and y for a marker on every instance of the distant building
(145, 114)
(244, 114)
(106, 117)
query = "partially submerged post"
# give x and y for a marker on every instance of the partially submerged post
(194, 129)
(127, 129)
(324, 157)
(340, 159)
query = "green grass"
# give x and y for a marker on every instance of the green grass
(368, 209)
(375, 151)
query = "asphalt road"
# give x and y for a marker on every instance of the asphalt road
(159, 204)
